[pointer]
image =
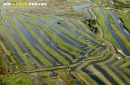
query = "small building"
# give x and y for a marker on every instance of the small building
(118, 57)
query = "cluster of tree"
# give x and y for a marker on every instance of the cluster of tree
(92, 25)
(91, 22)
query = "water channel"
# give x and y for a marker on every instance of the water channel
(113, 34)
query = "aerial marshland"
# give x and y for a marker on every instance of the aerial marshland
(67, 42)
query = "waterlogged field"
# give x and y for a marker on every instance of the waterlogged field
(77, 43)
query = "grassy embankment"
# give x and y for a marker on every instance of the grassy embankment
(59, 41)
(80, 31)
(92, 59)
(11, 54)
(120, 4)
(2, 63)
(80, 78)
(124, 67)
(66, 31)
(53, 45)
(18, 39)
(119, 71)
(95, 51)
(103, 66)
(74, 27)
(117, 31)
(50, 50)
(25, 59)
(98, 74)
(78, 69)
(63, 74)
(19, 79)
(99, 35)
(45, 76)
(125, 16)
(9, 59)
(37, 80)
(107, 35)
(62, 52)
(85, 75)
(35, 52)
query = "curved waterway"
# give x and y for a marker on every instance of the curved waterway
(118, 24)
(113, 34)
(88, 14)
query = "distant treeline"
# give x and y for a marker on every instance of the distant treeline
(121, 5)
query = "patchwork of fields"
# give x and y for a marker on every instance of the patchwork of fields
(58, 48)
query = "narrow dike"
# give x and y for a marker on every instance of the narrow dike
(24, 46)
(23, 30)
(113, 34)
(47, 31)
(119, 24)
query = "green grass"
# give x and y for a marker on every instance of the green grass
(59, 41)
(127, 70)
(99, 32)
(4, 42)
(14, 69)
(88, 60)
(64, 30)
(118, 70)
(63, 73)
(95, 51)
(52, 44)
(1, 49)
(125, 65)
(74, 73)
(18, 79)
(45, 76)
(37, 80)
(46, 54)
(97, 35)
(80, 31)
(20, 67)
(117, 31)
(98, 74)
(3, 64)
(9, 59)
(50, 50)
(102, 64)
(26, 60)
(125, 16)
(107, 35)
(112, 74)
(35, 52)
(86, 76)
(105, 62)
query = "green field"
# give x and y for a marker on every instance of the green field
(66, 42)
(19, 79)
